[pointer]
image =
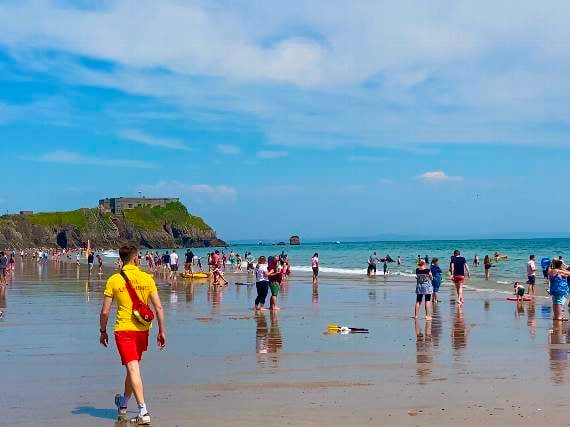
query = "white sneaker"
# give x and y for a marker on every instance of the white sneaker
(141, 420)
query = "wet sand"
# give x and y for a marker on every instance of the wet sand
(490, 362)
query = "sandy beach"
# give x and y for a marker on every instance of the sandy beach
(489, 362)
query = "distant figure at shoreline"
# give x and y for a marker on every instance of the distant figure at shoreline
(476, 261)
(487, 265)
(315, 267)
(531, 274)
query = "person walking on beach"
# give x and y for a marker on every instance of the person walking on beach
(436, 275)
(100, 262)
(424, 289)
(459, 269)
(531, 274)
(189, 260)
(274, 275)
(487, 265)
(315, 267)
(3, 268)
(131, 335)
(90, 261)
(558, 278)
(261, 283)
(173, 261)
(399, 261)
(476, 261)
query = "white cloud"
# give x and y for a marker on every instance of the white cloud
(143, 138)
(438, 176)
(202, 193)
(317, 73)
(270, 154)
(72, 158)
(229, 150)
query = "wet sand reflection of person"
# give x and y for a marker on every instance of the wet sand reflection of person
(261, 333)
(315, 295)
(458, 331)
(436, 325)
(558, 351)
(3, 303)
(274, 340)
(424, 352)
(190, 292)
(215, 296)
(531, 318)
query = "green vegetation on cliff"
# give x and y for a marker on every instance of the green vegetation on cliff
(77, 218)
(175, 213)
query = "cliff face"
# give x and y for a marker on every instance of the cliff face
(168, 227)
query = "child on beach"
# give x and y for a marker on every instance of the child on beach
(436, 277)
(519, 291)
(424, 289)
(261, 283)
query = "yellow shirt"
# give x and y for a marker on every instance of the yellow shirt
(116, 288)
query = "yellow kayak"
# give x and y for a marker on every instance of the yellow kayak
(195, 275)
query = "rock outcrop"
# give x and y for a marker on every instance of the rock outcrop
(167, 227)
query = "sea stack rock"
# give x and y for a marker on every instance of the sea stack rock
(294, 241)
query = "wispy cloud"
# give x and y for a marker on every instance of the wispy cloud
(195, 192)
(270, 154)
(229, 149)
(73, 158)
(146, 139)
(438, 176)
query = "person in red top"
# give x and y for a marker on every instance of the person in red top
(217, 270)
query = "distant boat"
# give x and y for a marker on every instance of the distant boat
(337, 242)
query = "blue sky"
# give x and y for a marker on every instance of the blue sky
(326, 119)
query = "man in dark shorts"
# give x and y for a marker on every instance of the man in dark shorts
(459, 270)
(189, 260)
(531, 274)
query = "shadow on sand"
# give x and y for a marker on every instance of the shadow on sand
(108, 414)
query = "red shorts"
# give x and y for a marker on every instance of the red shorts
(459, 280)
(131, 345)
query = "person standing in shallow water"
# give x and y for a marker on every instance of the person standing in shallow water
(558, 277)
(459, 270)
(424, 289)
(274, 275)
(131, 336)
(487, 265)
(315, 267)
(261, 283)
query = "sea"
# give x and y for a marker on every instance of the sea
(348, 260)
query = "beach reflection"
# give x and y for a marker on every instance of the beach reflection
(424, 351)
(189, 292)
(2, 298)
(436, 325)
(558, 349)
(458, 331)
(315, 295)
(268, 340)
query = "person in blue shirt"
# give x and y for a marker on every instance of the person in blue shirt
(545, 265)
(437, 277)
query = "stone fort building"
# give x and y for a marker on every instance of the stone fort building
(117, 205)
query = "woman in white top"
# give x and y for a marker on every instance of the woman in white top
(261, 283)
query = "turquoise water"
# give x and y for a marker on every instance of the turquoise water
(350, 258)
